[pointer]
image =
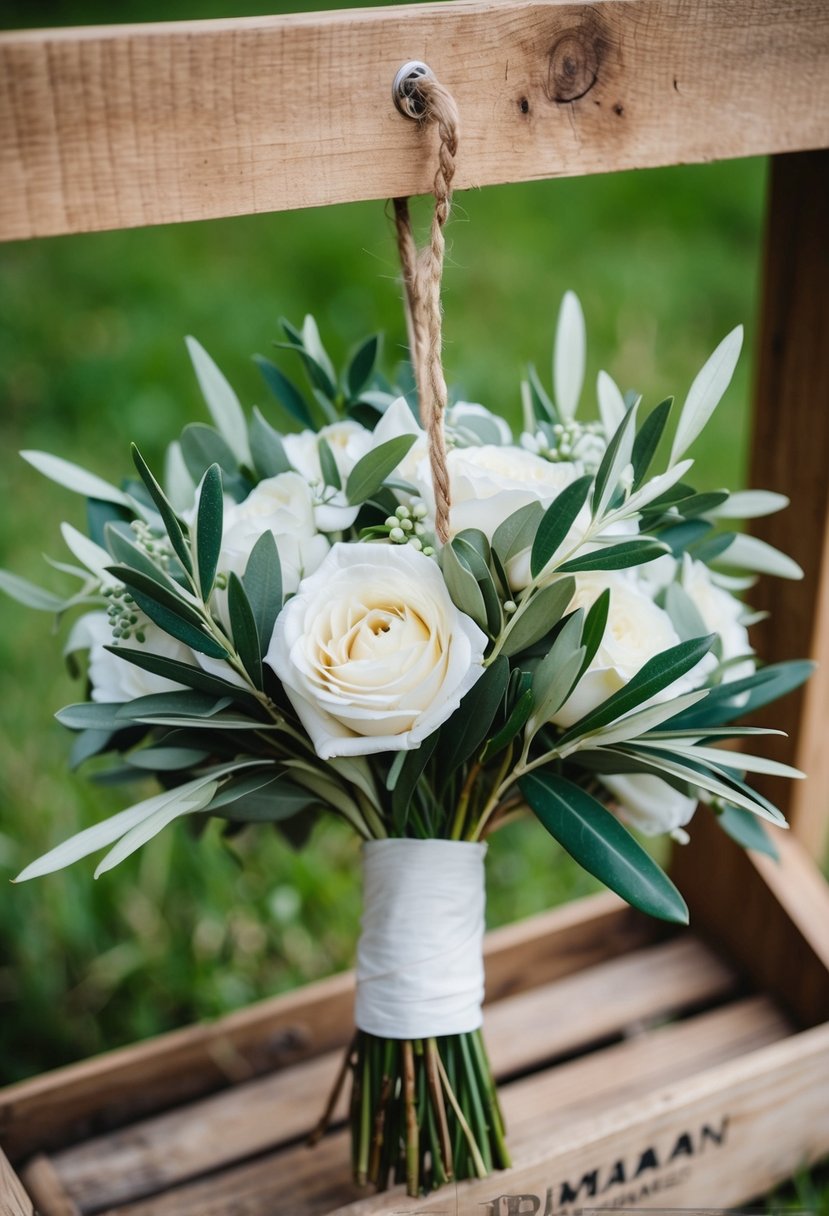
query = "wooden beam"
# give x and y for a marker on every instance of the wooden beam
(790, 453)
(120, 126)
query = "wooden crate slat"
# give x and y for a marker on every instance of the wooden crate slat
(119, 126)
(13, 1198)
(537, 1108)
(789, 454)
(548, 1021)
(115, 1087)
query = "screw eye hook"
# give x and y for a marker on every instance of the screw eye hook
(406, 88)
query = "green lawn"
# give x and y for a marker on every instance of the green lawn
(91, 356)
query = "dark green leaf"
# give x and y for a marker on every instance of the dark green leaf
(747, 830)
(92, 715)
(169, 612)
(123, 549)
(712, 546)
(262, 581)
(599, 843)
(541, 402)
(361, 366)
(328, 465)
(285, 391)
(542, 613)
(594, 627)
(462, 586)
(700, 504)
(209, 529)
(656, 674)
(514, 723)
(616, 458)
(267, 448)
(411, 770)
(252, 800)
(647, 440)
(168, 515)
(469, 725)
(371, 470)
(243, 628)
(87, 744)
(617, 557)
(99, 514)
(183, 673)
(727, 702)
(167, 759)
(680, 537)
(557, 521)
(180, 704)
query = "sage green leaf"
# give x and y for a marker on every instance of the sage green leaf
(92, 715)
(478, 566)
(702, 504)
(617, 557)
(540, 405)
(555, 674)
(243, 628)
(166, 759)
(328, 465)
(706, 392)
(635, 725)
(750, 553)
(222, 402)
(750, 504)
(463, 586)
(207, 542)
(90, 555)
(658, 673)
(556, 523)
(178, 484)
(685, 616)
(616, 459)
(542, 613)
(201, 447)
(371, 470)
(517, 532)
(261, 799)
(682, 536)
(73, 477)
(285, 391)
(181, 804)
(564, 678)
(169, 518)
(747, 830)
(262, 581)
(711, 547)
(612, 407)
(361, 366)
(169, 595)
(127, 553)
(182, 704)
(313, 346)
(735, 761)
(656, 488)
(647, 440)
(267, 448)
(24, 592)
(597, 841)
(569, 355)
(470, 724)
(86, 744)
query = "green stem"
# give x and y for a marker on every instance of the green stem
(475, 1153)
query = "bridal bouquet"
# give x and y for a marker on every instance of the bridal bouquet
(280, 632)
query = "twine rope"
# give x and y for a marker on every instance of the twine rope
(422, 276)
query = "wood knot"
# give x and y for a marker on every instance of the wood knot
(574, 61)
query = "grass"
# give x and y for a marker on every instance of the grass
(91, 356)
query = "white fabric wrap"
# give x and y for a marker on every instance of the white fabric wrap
(420, 970)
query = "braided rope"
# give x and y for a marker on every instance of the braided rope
(422, 276)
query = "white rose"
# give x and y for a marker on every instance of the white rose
(116, 679)
(348, 442)
(636, 631)
(399, 420)
(372, 652)
(283, 506)
(721, 613)
(650, 804)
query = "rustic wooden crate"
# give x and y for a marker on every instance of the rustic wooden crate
(638, 1067)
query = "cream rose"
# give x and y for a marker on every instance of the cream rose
(721, 614)
(372, 652)
(636, 630)
(115, 679)
(650, 804)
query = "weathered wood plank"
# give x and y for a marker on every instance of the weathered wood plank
(112, 1089)
(120, 126)
(47, 1190)
(538, 1109)
(13, 1199)
(522, 1031)
(790, 453)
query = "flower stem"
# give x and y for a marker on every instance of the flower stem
(412, 1133)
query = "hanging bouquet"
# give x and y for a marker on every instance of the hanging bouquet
(279, 632)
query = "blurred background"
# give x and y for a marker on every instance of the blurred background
(92, 356)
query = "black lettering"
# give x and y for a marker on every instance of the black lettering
(513, 1205)
(716, 1137)
(683, 1148)
(617, 1175)
(589, 1183)
(648, 1161)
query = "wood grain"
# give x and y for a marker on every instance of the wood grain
(119, 126)
(112, 1089)
(13, 1199)
(522, 1032)
(538, 1109)
(790, 452)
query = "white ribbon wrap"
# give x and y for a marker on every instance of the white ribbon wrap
(420, 970)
